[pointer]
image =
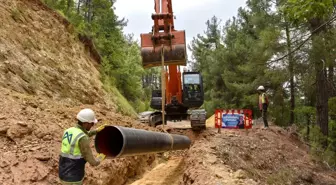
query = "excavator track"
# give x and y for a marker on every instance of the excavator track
(198, 119)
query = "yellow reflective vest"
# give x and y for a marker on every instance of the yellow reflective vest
(71, 162)
(70, 147)
(262, 100)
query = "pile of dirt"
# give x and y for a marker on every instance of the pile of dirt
(46, 76)
(273, 156)
(210, 122)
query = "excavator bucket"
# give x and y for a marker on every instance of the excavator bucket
(174, 52)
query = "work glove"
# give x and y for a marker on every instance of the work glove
(100, 157)
(101, 128)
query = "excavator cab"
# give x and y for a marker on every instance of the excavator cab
(192, 88)
(156, 99)
(193, 94)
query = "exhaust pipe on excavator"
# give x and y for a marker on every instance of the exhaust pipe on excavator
(117, 141)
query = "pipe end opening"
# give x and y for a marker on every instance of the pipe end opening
(109, 141)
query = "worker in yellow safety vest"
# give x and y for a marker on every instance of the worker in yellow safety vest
(76, 151)
(263, 104)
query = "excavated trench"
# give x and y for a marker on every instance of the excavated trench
(169, 168)
(169, 172)
(198, 165)
(245, 157)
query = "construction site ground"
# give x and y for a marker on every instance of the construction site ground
(246, 157)
(47, 75)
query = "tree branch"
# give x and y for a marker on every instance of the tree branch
(332, 19)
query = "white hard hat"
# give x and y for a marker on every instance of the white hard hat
(87, 115)
(261, 88)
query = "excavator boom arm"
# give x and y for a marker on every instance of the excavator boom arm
(163, 8)
(163, 34)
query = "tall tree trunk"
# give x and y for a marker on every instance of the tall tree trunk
(152, 80)
(78, 6)
(89, 11)
(85, 9)
(291, 74)
(330, 62)
(308, 126)
(69, 4)
(157, 81)
(147, 80)
(331, 83)
(321, 79)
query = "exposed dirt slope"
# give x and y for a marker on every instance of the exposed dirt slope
(39, 54)
(46, 77)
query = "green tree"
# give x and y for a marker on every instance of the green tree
(121, 63)
(235, 63)
(317, 14)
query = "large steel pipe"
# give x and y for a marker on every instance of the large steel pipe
(117, 141)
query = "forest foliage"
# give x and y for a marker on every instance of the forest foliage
(288, 46)
(121, 69)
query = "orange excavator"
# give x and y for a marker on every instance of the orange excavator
(179, 97)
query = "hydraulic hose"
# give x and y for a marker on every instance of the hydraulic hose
(117, 141)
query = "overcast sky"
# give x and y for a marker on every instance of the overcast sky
(191, 15)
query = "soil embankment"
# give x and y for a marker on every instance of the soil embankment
(46, 76)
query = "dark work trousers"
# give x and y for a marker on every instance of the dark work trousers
(264, 114)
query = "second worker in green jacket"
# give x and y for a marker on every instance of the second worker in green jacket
(263, 104)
